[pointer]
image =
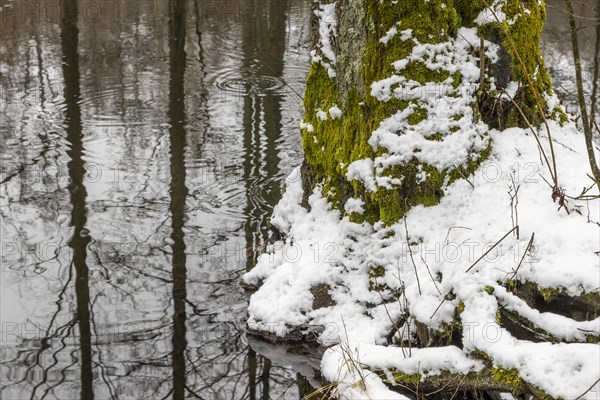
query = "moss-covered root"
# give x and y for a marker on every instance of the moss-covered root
(488, 380)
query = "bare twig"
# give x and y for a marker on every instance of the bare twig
(411, 256)
(450, 230)
(596, 74)
(586, 392)
(492, 248)
(437, 308)
(587, 127)
(524, 255)
(513, 192)
(481, 63)
(535, 135)
(431, 276)
(535, 95)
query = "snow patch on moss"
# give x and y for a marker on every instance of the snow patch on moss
(325, 14)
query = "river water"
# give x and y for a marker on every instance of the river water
(143, 148)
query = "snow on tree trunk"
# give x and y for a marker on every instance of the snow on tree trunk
(410, 72)
(419, 218)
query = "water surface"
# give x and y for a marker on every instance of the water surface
(143, 149)
(144, 145)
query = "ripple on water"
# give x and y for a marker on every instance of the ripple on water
(244, 82)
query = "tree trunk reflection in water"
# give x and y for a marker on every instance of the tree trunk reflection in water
(132, 267)
(178, 190)
(80, 239)
(263, 41)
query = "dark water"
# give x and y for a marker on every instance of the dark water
(143, 148)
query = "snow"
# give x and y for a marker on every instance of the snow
(451, 248)
(406, 34)
(343, 364)
(335, 112)
(448, 109)
(325, 14)
(307, 126)
(323, 246)
(322, 115)
(511, 91)
(389, 35)
(354, 206)
(491, 14)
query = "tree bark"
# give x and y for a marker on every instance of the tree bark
(362, 59)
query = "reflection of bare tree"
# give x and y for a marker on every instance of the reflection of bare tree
(117, 316)
(78, 272)
(178, 190)
(80, 238)
(264, 40)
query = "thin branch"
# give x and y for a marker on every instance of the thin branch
(587, 128)
(524, 254)
(534, 91)
(492, 248)
(431, 276)
(586, 392)
(411, 256)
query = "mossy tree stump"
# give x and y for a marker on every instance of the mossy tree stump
(331, 145)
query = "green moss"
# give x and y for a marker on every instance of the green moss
(482, 356)
(342, 141)
(418, 115)
(549, 293)
(468, 10)
(509, 377)
(520, 36)
(490, 290)
(438, 137)
(376, 271)
(559, 115)
(471, 166)
(401, 378)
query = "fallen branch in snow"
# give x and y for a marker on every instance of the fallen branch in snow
(589, 390)
(418, 375)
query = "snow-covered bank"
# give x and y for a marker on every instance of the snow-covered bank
(372, 274)
(480, 257)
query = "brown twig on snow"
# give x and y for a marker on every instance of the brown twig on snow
(411, 256)
(513, 192)
(492, 248)
(431, 276)
(524, 255)
(587, 391)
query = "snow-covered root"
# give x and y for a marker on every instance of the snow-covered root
(369, 274)
(379, 372)
(557, 326)
(352, 368)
